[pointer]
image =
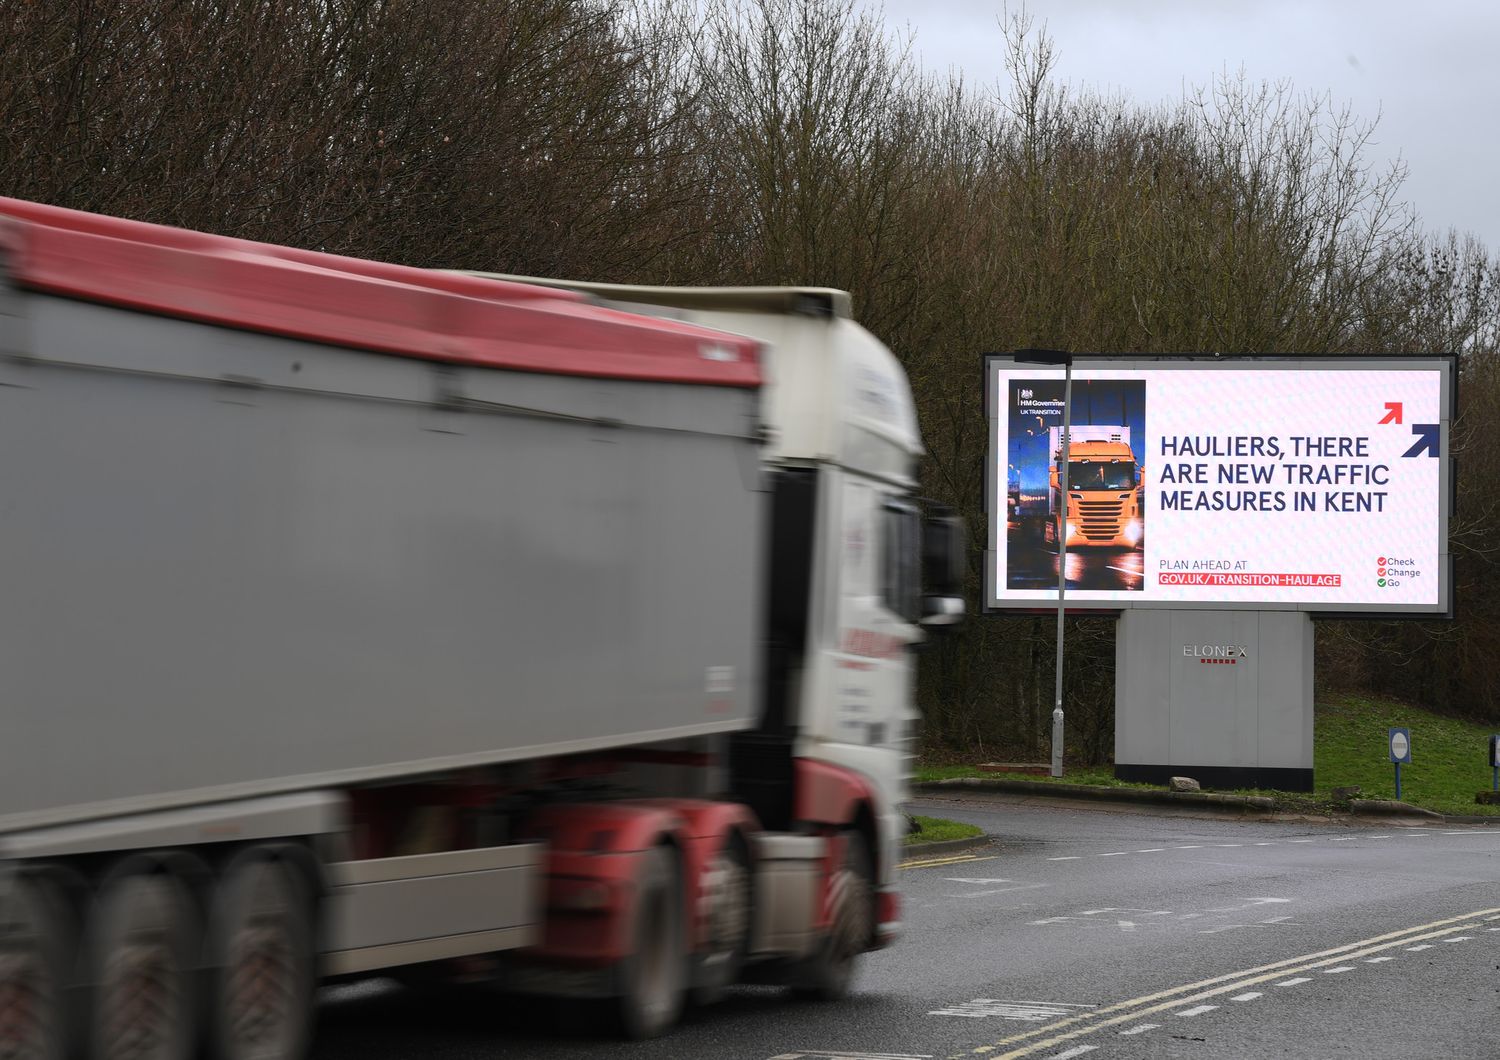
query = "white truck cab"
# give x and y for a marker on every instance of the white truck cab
(847, 606)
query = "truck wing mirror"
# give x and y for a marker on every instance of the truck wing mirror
(943, 548)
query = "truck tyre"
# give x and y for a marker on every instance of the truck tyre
(260, 955)
(142, 957)
(652, 978)
(727, 899)
(829, 973)
(35, 941)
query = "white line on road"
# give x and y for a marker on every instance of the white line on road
(1140, 1028)
(1300, 840)
(1294, 982)
(1418, 949)
(1190, 846)
(1070, 857)
(1197, 1010)
(1340, 968)
(1151, 850)
(1114, 853)
(1378, 960)
(1460, 938)
(1229, 844)
(1249, 996)
(1077, 1050)
(1275, 919)
(1377, 837)
(1265, 844)
(1343, 838)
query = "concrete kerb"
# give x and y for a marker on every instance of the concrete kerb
(1245, 805)
(915, 851)
(1202, 800)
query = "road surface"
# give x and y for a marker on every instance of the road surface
(1094, 933)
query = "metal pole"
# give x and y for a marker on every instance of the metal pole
(1398, 781)
(1062, 570)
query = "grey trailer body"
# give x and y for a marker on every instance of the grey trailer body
(240, 565)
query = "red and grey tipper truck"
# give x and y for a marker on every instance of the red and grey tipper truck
(359, 618)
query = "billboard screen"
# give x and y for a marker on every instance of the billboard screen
(1317, 484)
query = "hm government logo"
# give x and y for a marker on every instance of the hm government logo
(1216, 654)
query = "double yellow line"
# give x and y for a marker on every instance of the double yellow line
(956, 859)
(1074, 1027)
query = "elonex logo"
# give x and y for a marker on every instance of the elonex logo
(1215, 651)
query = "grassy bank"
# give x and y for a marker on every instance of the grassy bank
(1449, 759)
(937, 829)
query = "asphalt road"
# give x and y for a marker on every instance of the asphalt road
(1091, 932)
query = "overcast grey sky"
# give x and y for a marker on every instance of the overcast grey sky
(1429, 69)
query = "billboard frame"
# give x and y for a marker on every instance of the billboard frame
(1445, 363)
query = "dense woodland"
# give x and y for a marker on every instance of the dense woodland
(798, 142)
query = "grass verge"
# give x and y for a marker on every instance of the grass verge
(1449, 760)
(937, 829)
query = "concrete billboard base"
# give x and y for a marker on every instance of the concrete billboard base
(1224, 697)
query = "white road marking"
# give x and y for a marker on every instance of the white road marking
(1417, 835)
(1300, 840)
(1114, 853)
(1340, 968)
(1418, 949)
(1275, 919)
(1248, 996)
(1189, 846)
(1265, 844)
(1126, 925)
(1229, 844)
(1070, 857)
(1343, 838)
(1028, 1011)
(1460, 938)
(1294, 982)
(1378, 960)
(1492, 918)
(1492, 929)
(835, 1054)
(1197, 1010)
(973, 879)
(1077, 1050)
(1140, 1028)
(1467, 832)
(1151, 850)
(1377, 837)
(1266, 901)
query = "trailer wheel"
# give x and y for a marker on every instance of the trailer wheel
(652, 979)
(141, 953)
(728, 898)
(829, 973)
(261, 961)
(34, 946)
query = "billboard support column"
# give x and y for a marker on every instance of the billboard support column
(1225, 697)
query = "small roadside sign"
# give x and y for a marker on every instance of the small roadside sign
(1495, 752)
(1400, 748)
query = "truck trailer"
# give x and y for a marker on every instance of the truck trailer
(362, 619)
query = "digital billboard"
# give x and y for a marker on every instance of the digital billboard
(1299, 483)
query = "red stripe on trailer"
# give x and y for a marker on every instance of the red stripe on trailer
(343, 301)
